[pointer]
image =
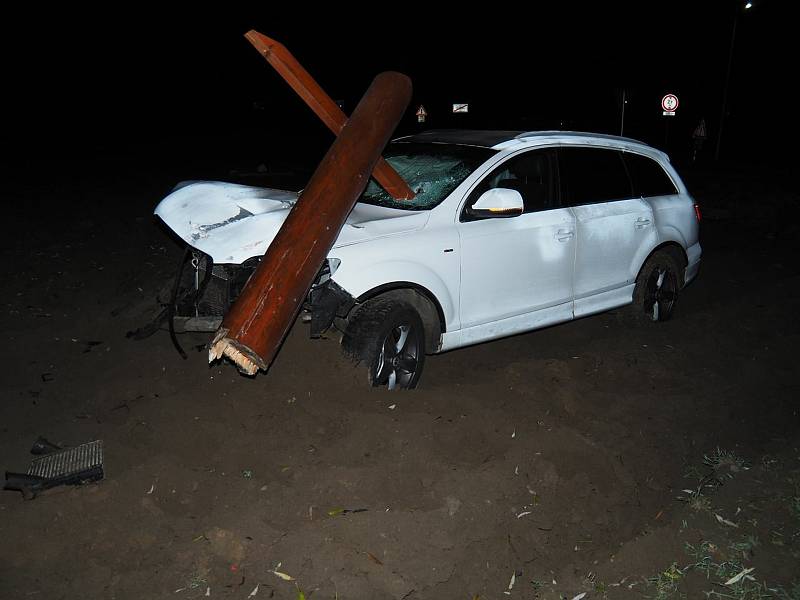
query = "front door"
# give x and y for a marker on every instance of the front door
(515, 266)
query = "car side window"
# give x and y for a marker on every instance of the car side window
(529, 173)
(592, 175)
(648, 177)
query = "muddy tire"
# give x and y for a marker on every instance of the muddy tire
(657, 288)
(388, 337)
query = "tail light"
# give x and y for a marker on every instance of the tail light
(697, 212)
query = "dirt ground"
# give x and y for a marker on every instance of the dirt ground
(580, 459)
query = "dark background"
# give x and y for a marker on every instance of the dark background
(104, 110)
(181, 82)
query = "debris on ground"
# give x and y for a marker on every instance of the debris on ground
(56, 466)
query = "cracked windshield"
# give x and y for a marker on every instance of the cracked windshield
(431, 170)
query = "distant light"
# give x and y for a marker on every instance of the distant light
(748, 5)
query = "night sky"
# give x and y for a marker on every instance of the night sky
(91, 82)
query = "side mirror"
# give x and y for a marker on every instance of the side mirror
(498, 202)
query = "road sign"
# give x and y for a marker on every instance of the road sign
(669, 104)
(421, 114)
(460, 108)
(700, 130)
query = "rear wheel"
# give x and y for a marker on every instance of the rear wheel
(657, 287)
(389, 338)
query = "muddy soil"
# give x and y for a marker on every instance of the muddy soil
(543, 465)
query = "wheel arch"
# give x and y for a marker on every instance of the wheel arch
(675, 250)
(423, 301)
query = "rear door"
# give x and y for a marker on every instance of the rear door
(613, 226)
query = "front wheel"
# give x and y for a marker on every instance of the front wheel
(389, 338)
(657, 287)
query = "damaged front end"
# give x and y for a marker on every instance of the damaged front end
(203, 293)
(226, 229)
(326, 300)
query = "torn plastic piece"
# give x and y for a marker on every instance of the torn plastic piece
(70, 466)
(328, 300)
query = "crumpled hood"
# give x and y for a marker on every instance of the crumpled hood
(232, 222)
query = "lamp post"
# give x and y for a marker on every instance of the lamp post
(747, 6)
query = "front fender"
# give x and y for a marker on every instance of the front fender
(359, 280)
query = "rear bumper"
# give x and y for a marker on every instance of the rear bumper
(693, 254)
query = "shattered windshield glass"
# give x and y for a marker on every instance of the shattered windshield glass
(431, 170)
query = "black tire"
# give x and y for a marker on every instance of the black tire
(389, 338)
(657, 287)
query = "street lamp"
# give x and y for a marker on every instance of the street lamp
(747, 6)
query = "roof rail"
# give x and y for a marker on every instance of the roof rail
(606, 136)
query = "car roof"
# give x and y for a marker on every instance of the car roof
(501, 140)
(485, 138)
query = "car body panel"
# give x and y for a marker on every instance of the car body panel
(232, 222)
(421, 260)
(517, 265)
(693, 254)
(229, 222)
(613, 239)
(606, 300)
(675, 219)
(493, 330)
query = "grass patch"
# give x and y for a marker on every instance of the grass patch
(726, 563)
(725, 463)
(665, 584)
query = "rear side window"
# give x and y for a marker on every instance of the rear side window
(648, 177)
(591, 175)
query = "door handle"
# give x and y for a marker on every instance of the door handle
(641, 223)
(564, 235)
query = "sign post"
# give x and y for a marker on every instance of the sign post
(669, 104)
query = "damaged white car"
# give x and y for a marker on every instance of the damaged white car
(508, 232)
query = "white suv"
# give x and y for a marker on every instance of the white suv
(508, 232)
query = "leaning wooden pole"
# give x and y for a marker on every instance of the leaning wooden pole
(317, 100)
(258, 321)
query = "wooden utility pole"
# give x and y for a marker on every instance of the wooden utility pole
(258, 321)
(317, 100)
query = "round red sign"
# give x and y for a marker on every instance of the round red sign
(669, 102)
